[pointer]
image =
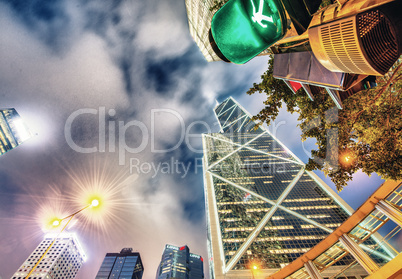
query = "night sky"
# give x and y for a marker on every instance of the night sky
(117, 94)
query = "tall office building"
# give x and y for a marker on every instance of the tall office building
(264, 210)
(196, 266)
(199, 14)
(62, 261)
(13, 130)
(178, 262)
(124, 265)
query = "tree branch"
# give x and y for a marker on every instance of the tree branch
(387, 84)
(396, 74)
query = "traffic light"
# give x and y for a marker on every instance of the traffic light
(362, 41)
(242, 29)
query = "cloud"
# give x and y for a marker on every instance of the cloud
(84, 75)
(101, 57)
(164, 31)
(134, 57)
(50, 22)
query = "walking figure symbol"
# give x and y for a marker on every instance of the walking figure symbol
(258, 16)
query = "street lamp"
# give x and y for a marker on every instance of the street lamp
(254, 267)
(55, 223)
(94, 203)
(346, 158)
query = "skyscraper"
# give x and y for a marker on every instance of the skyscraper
(13, 130)
(264, 210)
(62, 261)
(199, 16)
(178, 262)
(196, 266)
(124, 265)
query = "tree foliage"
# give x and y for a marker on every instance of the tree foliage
(365, 135)
(217, 4)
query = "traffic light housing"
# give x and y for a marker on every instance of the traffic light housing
(242, 29)
(366, 42)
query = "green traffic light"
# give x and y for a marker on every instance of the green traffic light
(242, 29)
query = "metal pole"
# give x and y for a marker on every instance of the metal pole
(312, 270)
(360, 256)
(390, 211)
(48, 248)
(54, 240)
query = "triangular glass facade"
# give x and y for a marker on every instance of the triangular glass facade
(269, 209)
(239, 213)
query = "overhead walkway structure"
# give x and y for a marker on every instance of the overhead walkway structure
(383, 205)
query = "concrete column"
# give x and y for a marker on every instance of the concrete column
(390, 211)
(360, 256)
(312, 270)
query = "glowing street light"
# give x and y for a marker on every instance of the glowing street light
(346, 158)
(56, 222)
(95, 203)
(254, 267)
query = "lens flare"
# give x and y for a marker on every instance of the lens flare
(50, 206)
(99, 192)
(346, 158)
(50, 218)
(100, 189)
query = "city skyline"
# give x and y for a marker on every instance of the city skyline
(67, 65)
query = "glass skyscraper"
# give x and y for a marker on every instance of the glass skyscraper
(124, 265)
(62, 261)
(196, 266)
(264, 210)
(178, 262)
(13, 130)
